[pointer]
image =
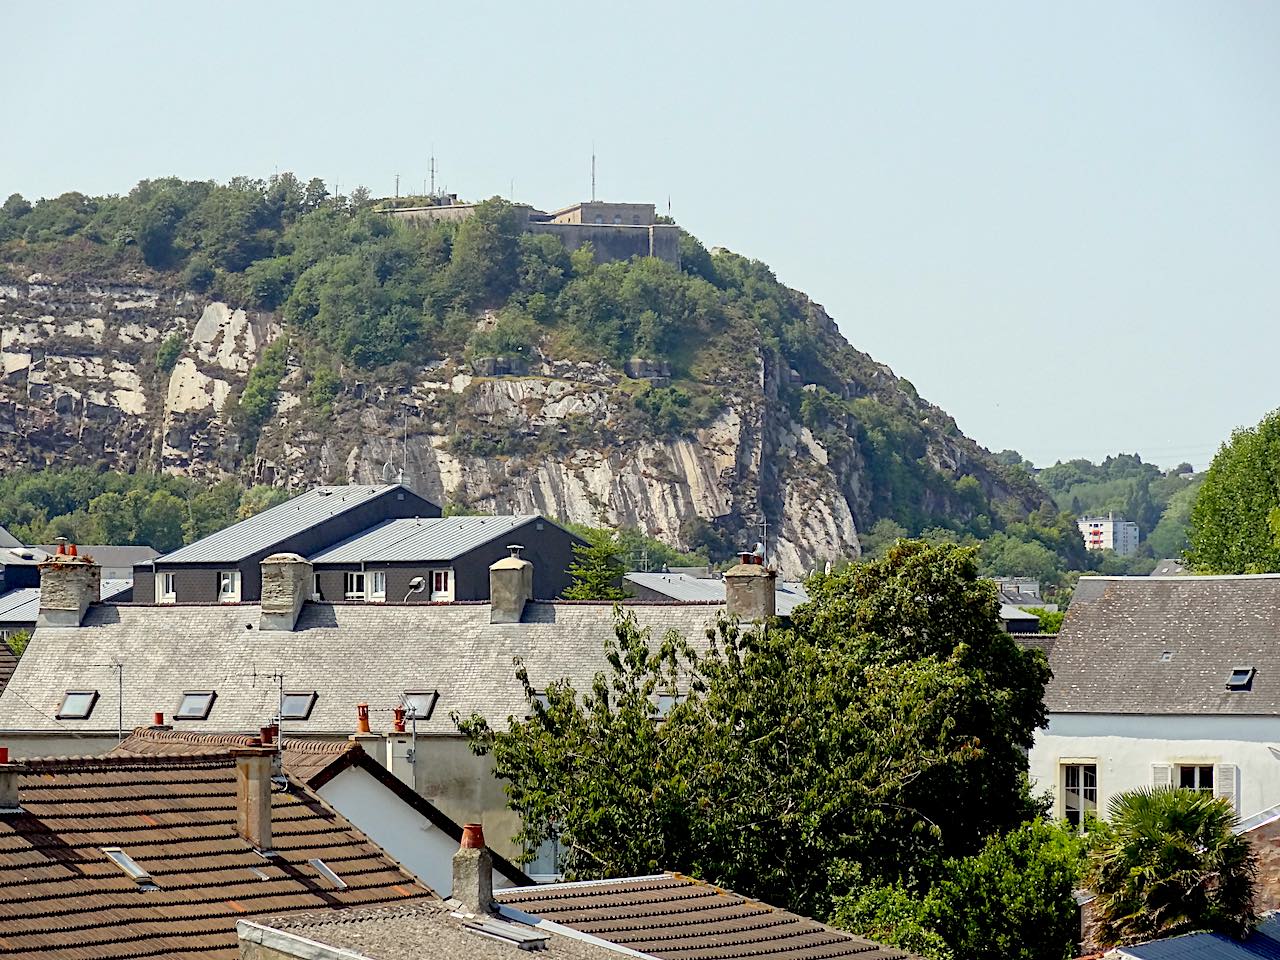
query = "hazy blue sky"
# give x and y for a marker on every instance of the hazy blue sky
(1061, 223)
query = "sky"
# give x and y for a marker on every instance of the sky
(1060, 222)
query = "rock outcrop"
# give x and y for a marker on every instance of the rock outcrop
(138, 377)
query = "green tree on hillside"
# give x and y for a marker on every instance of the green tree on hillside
(1235, 522)
(1169, 863)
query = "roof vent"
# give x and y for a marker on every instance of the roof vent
(521, 937)
(1241, 678)
(326, 871)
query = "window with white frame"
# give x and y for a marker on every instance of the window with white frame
(441, 585)
(546, 865)
(1079, 792)
(377, 585)
(166, 588)
(1198, 777)
(229, 586)
(355, 585)
(316, 594)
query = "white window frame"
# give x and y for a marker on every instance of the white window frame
(1197, 776)
(445, 595)
(231, 577)
(350, 580)
(316, 595)
(376, 581)
(164, 595)
(548, 855)
(1086, 805)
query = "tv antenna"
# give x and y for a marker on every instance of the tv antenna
(278, 677)
(118, 667)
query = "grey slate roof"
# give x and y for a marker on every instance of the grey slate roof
(1263, 944)
(1166, 645)
(424, 931)
(261, 531)
(7, 539)
(687, 588)
(425, 539)
(22, 606)
(1170, 567)
(348, 653)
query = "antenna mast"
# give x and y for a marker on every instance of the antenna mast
(397, 186)
(593, 172)
(433, 171)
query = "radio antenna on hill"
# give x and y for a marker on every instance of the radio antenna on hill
(397, 186)
(433, 171)
(593, 171)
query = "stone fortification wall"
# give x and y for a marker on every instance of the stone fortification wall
(617, 242)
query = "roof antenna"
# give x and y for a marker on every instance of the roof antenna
(404, 442)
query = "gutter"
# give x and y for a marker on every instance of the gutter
(550, 926)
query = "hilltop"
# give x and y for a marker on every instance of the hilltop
(269, 332)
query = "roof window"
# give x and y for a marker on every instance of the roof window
(297, 704)
(77, 704)
(1241, 678)
(420, 704)
(131, 867)
(326, 871)
(195, 705)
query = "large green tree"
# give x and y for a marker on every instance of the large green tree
(1171, 863)
(597, 569)
(880, 735)
(1235, 522)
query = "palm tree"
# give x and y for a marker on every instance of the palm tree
(1168, 863)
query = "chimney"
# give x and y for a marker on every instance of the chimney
(473, 871)
(68, 584)
(510, 587)
(253, 794)
(9, 774)
(749, 590)
(157, 722)
(286, 584)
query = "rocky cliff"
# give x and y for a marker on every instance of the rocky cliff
(137, 376)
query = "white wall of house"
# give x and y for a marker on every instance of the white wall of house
(408, 836)
(1133, 751)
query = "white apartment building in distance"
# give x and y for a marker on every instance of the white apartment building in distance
(1109, 533)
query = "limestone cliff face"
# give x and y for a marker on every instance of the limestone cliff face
(85, 381)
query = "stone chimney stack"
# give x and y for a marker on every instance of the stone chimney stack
(9, 774)
(749, 590)
(253, 794)
(286, 584)
(68, 584)
(473, 871)
(510, 587)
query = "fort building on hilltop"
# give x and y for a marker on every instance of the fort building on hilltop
(616, 231)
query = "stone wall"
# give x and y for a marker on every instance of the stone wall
(617, 242)
(1266, 844)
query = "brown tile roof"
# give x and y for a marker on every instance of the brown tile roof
(673, 917)
(304, 759)
(62, 897)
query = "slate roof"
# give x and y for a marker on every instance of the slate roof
(111, 555)
(261, 531)
(7, 539)
(425, 539)
(23, 605)
(61, 898)
(347, 652)
(1166, 645)
(8, 663)
(673, 917)
(686, 588)
(1171, 567)
(1263, 944)
(422, 931)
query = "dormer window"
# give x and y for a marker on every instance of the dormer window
(229, 586)
(77, 704)
(166, 588)
(354, 585)
(195, 705)
(1241, 678)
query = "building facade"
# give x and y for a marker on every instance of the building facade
(1109, 533)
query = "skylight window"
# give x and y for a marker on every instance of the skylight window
(326, 871)
(130, 866)
(195, 705)
(77, 704)
(420, 704)
(297, 705)
(1241, 678)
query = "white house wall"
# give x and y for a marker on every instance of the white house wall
(1124, 747)
(408, 836)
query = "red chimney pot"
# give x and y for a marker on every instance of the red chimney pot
(268, 736)
(157, 719)
(362, 718)
(4, 754)
(397, 723)
(473, 836)
(71, 551)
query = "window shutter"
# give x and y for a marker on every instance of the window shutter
(1226, 783)
(1161, 775)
